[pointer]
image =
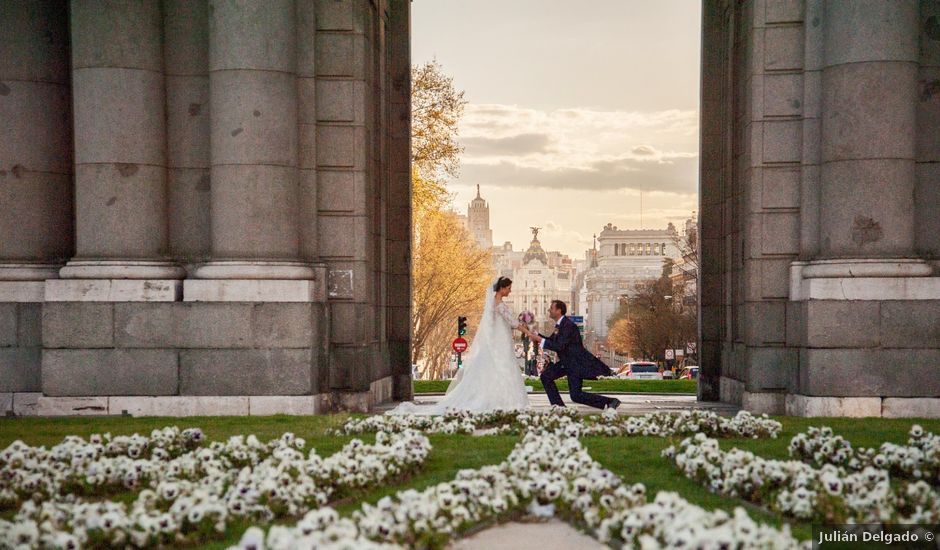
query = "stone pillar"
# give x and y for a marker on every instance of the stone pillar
(811, 104)
(186, 53)
(927, 190)
(398, 165)
(862, 293)
(346, 186)
(713, 144)
(307, 127)
(36, 232)
(254, 195)
(869, 83)
(120, 155)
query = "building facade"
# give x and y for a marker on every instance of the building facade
(205, 206)
(535, 283)
(623, 258)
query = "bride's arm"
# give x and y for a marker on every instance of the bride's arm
(506, 314)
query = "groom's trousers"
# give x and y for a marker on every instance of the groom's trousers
(558, 370)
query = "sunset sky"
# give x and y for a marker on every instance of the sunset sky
(574, 109)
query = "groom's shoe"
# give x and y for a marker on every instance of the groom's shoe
(614, 403)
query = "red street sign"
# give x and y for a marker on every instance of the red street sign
(459, 345)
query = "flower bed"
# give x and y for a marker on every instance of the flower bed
(919, 459)
(829, 494)
(608, 424)
(190, 492)
(547, 473)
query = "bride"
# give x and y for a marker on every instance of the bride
(490, 378)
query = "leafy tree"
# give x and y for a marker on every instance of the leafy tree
(655, 318)
(450, 275)
(619, 337)
(436, 108)
(449, 270)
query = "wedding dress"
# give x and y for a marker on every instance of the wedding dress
(490, 378)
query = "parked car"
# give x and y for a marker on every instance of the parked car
(669, 374)
(689, 373)
(640, 370)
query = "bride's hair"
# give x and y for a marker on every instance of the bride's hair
(502, 282)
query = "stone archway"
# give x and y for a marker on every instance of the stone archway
(820, 206)
(239, 237)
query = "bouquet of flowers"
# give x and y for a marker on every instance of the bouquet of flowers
(526, 317)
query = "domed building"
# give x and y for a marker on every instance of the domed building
(539, 280)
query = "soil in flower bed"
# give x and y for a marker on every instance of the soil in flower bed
(599, 386)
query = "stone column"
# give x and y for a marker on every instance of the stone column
(307, 127)
(712, 143)
(186, 47)
(927, 192)
(346, 188)
(869, 101)
(120, 155)
(255, 199)
(36, 232)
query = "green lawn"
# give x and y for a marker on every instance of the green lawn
(633, 459)
(624, 386)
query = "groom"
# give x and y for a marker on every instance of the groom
(574, 361)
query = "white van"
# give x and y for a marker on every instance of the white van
(640, 370)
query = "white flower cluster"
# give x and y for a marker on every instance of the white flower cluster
(193, 496)
(829, 494)
(609, 423)
(919, 459)
(546, 474)
(100, 465)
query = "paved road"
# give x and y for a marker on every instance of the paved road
(630, 403)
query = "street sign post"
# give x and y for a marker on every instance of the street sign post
(670, 354)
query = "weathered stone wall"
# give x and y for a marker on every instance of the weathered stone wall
(241, 230)
(819, 282)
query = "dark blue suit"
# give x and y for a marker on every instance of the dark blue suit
(576, 363)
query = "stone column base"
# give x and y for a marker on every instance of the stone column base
(764, 402)
(886, 407)
(253, 290)
(28, 271)
(233, 281)
(731, 390)
(22, 291)
(121, 269)
(37, 404)
(113, 290)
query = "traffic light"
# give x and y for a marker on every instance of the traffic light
(461, 326)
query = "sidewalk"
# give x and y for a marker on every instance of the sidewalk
(630, 403)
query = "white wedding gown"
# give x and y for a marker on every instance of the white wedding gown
(490, 378)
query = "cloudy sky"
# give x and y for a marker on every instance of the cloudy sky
(575, 109)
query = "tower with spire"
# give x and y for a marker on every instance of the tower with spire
(478, 221)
